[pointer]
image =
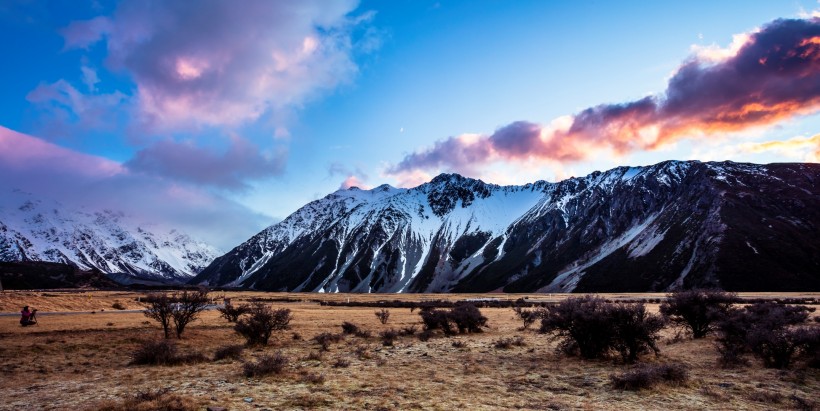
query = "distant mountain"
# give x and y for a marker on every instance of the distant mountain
(111, 242)
(27, 275)
(661, 227)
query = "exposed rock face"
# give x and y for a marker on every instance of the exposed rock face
(667, 226)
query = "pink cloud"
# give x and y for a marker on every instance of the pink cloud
(353, 181)
(20, 153)
(48, 171)
(215, 63)
(231, 169)
(772, 76)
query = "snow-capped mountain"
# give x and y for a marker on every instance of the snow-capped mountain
(112, 242)
(670, 225)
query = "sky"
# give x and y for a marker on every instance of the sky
(220, 118)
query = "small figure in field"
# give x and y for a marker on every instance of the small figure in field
(28, 317)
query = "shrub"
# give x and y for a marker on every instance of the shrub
(388, 336)
(459, 344)
(341, 363)
(325, 339)
(506, 343)
(313, 378)
(349, 328)
(528, 317)
(425, 335)
(409, 330)
(267, 364)
(261, 322)
(592, 327)
(467, 318)
(363, 334)
(765, 329)
(646, 376)
(233, 312)
(117, 305)
(160, 399)
(187, 307)
(228, 351)
(697, 310)
(636, 331)
(434, 319)
(179, 308)
(159, 309)
(163, 352)
(314, 356)
(583, 325)
(383, 315)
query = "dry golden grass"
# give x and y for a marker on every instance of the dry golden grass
(80, 361)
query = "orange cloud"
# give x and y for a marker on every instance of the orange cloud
(765, 77)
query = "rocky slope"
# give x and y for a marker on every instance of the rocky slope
(661, 227)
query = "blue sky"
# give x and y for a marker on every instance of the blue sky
(256, 108)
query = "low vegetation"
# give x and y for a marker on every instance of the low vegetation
(349, 359)
(592, 328)
(260, 323)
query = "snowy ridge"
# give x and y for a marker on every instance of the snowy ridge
(40, 230)
(658, 227)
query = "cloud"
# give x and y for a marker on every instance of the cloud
(765, 77)
(75, 179)
(217, 63)
(185, 161)
(353, 177)
(353, 181)
(802, 148)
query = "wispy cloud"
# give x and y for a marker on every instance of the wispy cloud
(764, 77)
(205, 68)
(52, 172)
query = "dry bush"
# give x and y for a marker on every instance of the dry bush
(228, 351)
(362, 352)
(408, 331)
(232, 312)
(179, 308)
(435, 319)
(506, 343)
(463, 316)
(325, 339)
(159, 400)
(648, 375)
(636, 331)
(349, 328)
(388, 337)
(697, 310)
(260, 323)
(467, 318)
(163, 352)
(528, 317)
(341, 363)
(592, 327)
(766, 330)
(459, 344)
(265, 365)
(314, 356)
(312, 378)
(117, 305)
(383, 315)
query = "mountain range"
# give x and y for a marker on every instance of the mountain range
(111, 242)
(676, 224)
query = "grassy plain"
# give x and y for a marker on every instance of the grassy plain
(80, 361)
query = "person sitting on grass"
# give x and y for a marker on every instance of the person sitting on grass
(28, 317)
